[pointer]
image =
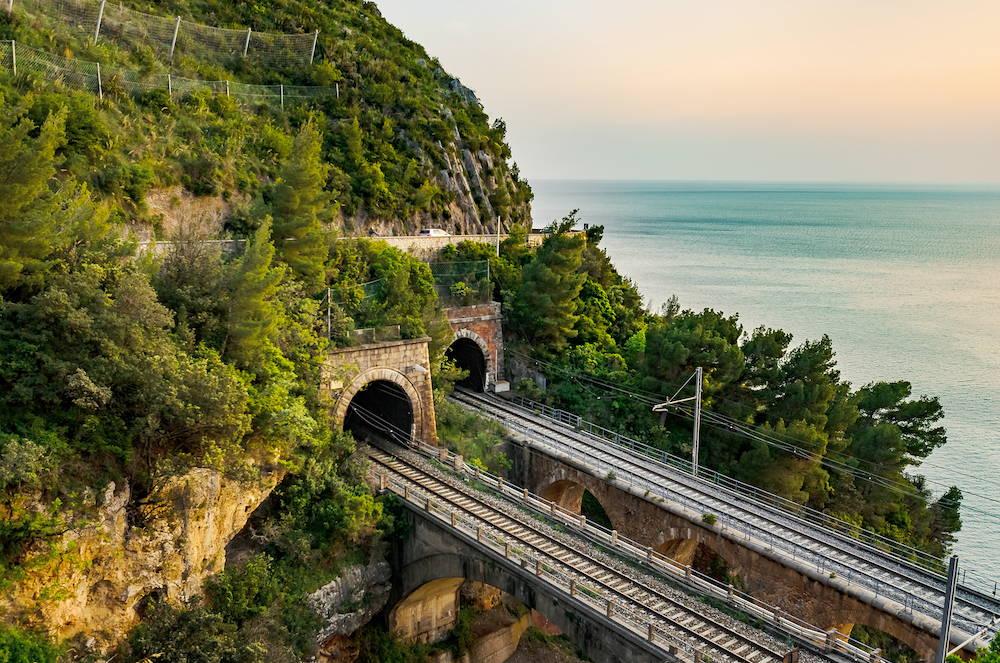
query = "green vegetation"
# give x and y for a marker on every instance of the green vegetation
(473, 437)
(20, 647)
(135, 369)
(989, 654)
(382, 142)
(594, 512)
(846, 452)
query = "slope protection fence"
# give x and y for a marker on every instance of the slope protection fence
(111, 80)
(172, 36)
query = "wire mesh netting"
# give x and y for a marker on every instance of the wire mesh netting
(112, 80)
(172, 36)
(462, 283)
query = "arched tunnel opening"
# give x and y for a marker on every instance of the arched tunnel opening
(381, 408)
(468, 356)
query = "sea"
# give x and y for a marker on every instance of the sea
(905, 280)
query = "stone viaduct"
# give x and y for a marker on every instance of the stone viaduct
(430, 566)
(687, 539)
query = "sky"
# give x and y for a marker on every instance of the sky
(767, 90)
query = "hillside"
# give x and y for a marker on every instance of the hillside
(404, 144)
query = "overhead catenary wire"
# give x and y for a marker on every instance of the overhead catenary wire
(733, 426)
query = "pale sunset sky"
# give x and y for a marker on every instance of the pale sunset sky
(811, 90)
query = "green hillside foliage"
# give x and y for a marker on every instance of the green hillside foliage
(124, 368)
(379, 145)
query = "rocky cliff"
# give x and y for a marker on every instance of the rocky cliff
(163, 546)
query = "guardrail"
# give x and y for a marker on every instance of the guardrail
(778, 546)
(876, 542)
(830, 641)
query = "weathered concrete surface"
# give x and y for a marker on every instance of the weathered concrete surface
(481, 323)
(433, 553)
(426, 248)
(800, 589)
(405, 363)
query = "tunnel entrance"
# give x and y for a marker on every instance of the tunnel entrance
(468, 356)
(381, 408)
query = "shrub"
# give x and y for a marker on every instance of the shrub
(20, 647)
(709, 519)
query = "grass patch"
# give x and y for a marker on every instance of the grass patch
(476, 438)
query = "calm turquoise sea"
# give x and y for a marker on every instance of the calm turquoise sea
(904, 279)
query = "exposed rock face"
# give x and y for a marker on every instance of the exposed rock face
(352, 599)
(167, 546)
(349, 602)
(472, 177)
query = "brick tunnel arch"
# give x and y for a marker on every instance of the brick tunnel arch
(470, 352)
(386, 394)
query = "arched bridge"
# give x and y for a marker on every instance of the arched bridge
(613, 615)
(823, 576)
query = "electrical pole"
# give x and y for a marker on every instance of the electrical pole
(949, 604)
(663, 407)
(697, 422)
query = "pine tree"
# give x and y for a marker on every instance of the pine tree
(253, 318)
(546, 302)
(299, 203)
(30, 214)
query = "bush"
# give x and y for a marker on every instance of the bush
(241, 594)
(709, 519)
(20, 647)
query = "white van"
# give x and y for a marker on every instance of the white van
(433, 232)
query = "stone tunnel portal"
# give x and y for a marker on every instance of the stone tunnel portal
(468, 356)
(383, 408)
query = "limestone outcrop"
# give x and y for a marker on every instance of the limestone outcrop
(126, 550)
(350, 601)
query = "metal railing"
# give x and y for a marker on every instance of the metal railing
(875, 541)
(829, 640)
(694, 508)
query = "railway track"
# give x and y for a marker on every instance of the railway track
(645, 609)
(913, 587)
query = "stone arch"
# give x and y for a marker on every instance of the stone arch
(571, 495)
(385, 374)
(468, 334)
(433, 553)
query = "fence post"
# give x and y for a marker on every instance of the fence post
(100, 88)
(282, 96)
(10, 7)
(614, 537)
(173, 42)
(313, 53)
(13, 53)
(227, 88)
(830, 638)
(338, 89)
(100, 16)
(611, 607)
(246, 44)
(459, 464)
